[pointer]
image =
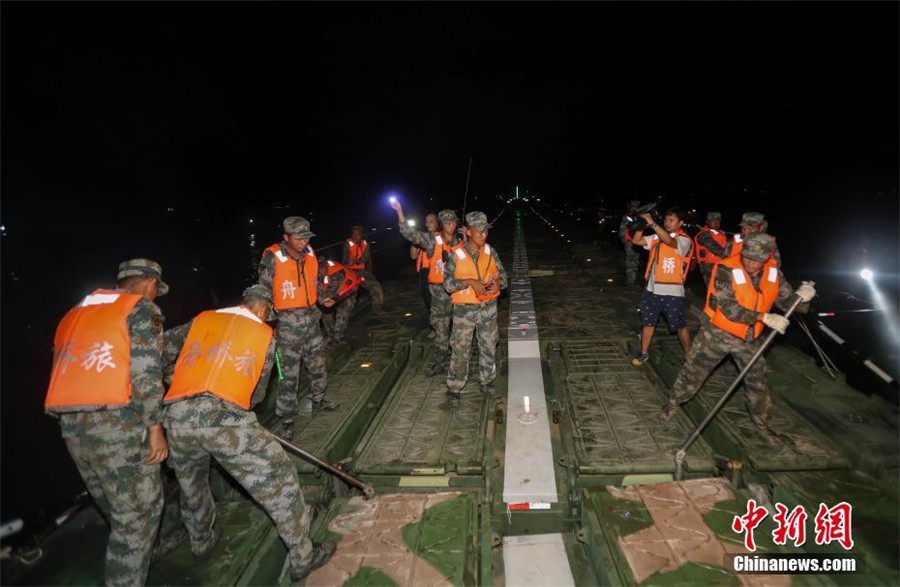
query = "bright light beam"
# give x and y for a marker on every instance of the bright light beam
(882, 304)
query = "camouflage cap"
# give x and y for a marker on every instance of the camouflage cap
(712, 216)
(260, 292)
(634, 203)
(752, 219)
(297, 225)
(448, 216)
(134, 267)
(477, 220)
(758, 246)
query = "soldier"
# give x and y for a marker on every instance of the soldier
(358, 256)
(420, 256)
(667, 265)
(224, 359)
(632, 253)
(342, 285)
(474, 277)
(710, 244)
(437, 246)
(738, 301)
(751, 222)
(289, 270)
(106, 387)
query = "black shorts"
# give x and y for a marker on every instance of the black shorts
(653, 305)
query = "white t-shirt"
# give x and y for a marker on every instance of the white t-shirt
(668, 289)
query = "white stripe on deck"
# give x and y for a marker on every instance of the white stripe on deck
(536, 559)
(528, 470)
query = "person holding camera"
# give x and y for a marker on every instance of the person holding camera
(626, 234)
(667, 267)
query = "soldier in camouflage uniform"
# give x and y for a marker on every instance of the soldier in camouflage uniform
(632, 253)
(362, 264)
(713, 344)
(299, 338)
(337, 318)
(477, 318)
(205, 425)
(441, 307)
(751, 222)
(704, 239)
(118, 451)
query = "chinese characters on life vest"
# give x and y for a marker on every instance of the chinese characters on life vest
(98, 357)
(831, 524)
(218, 355)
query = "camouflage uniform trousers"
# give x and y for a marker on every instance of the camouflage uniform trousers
(298, 340)
(336, 321)
(372, 284)
(256, 460)
(440, 316)
(632, 261)
(708, 349)
(128, 492)
(480, 319)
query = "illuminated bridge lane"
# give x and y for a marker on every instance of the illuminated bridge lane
(538, 559)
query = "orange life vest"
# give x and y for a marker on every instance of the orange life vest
(436, 263)
(668, 266)
(746, 295)
(738, 246)
(92, 355)
(422, 260)
(704, 255)
(356, 253)
(350, 282)
(466, 268)
(294, 285)
(223, 354)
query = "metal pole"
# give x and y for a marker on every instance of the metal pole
(366, 488)
(466, 196)
(682, 452)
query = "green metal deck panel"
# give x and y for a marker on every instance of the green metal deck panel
(359, 386)
(401, 539)
(415, 429)
(876, 533)
(245, 529)
(673, 533)
(733, 433)
(612, 412)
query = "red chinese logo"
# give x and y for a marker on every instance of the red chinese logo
(791, 525)
(748, 522)
(834, 525)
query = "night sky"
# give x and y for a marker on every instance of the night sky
(340, 102)
(158, 129)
